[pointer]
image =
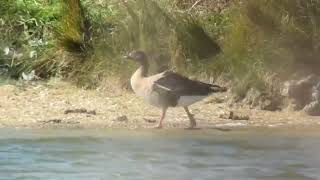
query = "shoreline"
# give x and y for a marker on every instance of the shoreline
(58, 104)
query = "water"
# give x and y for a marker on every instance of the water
(106, 154)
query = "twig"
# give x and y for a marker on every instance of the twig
(12, 60)
(196, 3)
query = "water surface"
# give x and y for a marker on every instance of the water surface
(176, 154)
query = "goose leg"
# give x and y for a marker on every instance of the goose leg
(163, 115)
(193, 123)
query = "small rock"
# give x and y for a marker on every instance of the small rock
(53, 121)
(121, 119)
(304, 94)
(93, 112)
(29, 76)
(73, 122)
(231, 115)
(80, 111)
(238, 117)
(149, 120)
(301, 91)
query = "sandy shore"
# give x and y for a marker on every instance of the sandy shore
(60, 104)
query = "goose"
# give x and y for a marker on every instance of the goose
(168, 89)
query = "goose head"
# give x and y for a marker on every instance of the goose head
(137, 56)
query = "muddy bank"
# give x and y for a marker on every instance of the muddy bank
(60, 104)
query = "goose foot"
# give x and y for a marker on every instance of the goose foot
(192, 126)
(193, 122)
(163, 114)
(159, 127)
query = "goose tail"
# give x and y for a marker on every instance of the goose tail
(216, 88)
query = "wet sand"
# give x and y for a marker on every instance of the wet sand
(57, 104)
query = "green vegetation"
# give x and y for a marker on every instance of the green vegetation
(252, 43)
(26, 26)
(273, 40)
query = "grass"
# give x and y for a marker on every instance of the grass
(27, 26)
(269, 39)
(253, 44)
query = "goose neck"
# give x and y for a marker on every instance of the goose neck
(144, 67)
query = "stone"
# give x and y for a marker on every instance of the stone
(303, 91)
(121, 119)
(80, 111)
(234, 116)
(29, 76)
(149, 120)
(53, 121)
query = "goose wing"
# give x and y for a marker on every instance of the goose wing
(176, 84)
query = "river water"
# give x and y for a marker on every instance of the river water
(164, 155)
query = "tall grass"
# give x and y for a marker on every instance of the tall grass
(251, 43)
(119, 27)
(27, 26)
(270, 38)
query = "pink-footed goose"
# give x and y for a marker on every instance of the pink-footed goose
(168, 89)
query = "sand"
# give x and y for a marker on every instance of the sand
(58, 104)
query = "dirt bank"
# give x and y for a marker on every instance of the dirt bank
(59, 104)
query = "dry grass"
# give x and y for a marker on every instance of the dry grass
(255, 40)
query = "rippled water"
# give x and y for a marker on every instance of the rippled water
(105, 154)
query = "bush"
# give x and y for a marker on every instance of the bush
(26, 28)
(269, 37)
(118, 28)
(245, 41)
